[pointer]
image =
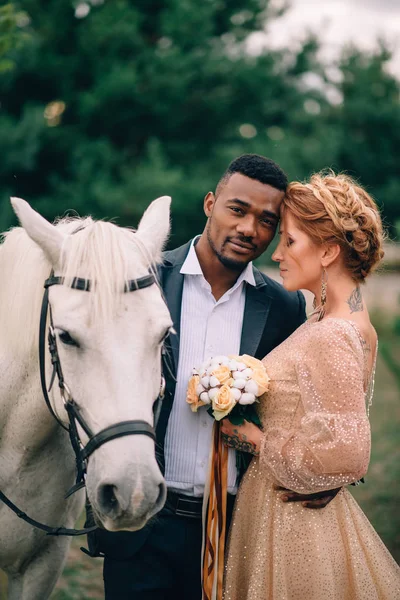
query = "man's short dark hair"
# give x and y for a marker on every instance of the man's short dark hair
(256, 167)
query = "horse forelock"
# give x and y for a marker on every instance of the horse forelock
(106, 254)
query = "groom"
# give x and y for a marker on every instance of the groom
(220, 304)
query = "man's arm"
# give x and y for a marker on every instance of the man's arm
(247, 438)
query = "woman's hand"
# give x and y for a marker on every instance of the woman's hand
(246, 437)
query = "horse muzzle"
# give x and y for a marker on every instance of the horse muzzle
(128, 500)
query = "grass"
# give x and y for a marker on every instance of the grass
(82, 578)
(379, 496)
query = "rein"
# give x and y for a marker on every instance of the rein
(82, 453)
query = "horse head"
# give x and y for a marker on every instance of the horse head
(109, 344)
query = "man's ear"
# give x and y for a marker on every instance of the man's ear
(331, 253)
(209, 202)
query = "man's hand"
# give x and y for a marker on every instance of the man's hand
(317, 500)
(246, 437)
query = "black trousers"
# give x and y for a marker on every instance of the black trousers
(166, 567)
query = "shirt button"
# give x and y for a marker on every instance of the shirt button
(204, 423)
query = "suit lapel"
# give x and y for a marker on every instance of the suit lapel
(257, 307)
(173, 289)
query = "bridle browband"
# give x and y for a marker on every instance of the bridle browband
(82, 453)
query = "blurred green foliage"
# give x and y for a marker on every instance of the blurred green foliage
(12, 34)
(110, 104)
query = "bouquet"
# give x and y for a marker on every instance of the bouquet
(229, 386)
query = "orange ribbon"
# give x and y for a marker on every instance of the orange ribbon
(214, 535)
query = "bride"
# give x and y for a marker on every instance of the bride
(316, 432)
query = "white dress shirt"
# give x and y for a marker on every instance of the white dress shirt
(208, 328)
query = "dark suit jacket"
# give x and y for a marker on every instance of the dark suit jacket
(271, 314)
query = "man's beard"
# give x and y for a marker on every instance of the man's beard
(229, 263)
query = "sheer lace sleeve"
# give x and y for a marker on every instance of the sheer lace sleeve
(329, 444)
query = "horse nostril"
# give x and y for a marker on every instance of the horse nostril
(107, 498)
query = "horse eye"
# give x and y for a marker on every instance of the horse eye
(66, 339)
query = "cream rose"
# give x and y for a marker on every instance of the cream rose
(223, 402)
(262, 380)
(222, 373)
(191, 396)
(251, 362)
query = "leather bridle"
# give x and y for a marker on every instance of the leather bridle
(82, 453)
(134, 427)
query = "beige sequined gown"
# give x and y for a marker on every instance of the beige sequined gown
(317, 437)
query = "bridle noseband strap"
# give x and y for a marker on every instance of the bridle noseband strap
(116, 431)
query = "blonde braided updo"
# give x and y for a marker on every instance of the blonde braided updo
(334, 209)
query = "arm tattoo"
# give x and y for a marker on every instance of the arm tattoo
(355, 301)
(233, 441)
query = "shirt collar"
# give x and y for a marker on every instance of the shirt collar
(191, 266)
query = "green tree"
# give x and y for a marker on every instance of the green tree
(105, 112)
(369, 123)
(113, 103)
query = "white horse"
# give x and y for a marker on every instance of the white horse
(109, 343)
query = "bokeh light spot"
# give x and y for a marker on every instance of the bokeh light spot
(247, 130)
(82, 10)
(312, 107)
(275, 133)
(53, 112)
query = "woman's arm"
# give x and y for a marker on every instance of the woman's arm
(330, 446)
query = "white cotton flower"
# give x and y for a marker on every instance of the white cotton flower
(200, 389)
(251, 387)
(225, 361)
(236, 394)
(232, 364)
(247, 398)
(247, 373)
(210, 369)
(237, 375)
(205, 381)
(241, 366)
(219, 359)
(214, 381)
(213, 392)
(204, 397)
(239, 384)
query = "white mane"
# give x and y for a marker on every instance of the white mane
(99, 251)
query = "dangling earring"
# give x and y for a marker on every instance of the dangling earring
(324, 285)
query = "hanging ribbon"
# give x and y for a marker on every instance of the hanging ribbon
(214, 518)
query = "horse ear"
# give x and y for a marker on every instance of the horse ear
(49, 238)
(154, 227)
